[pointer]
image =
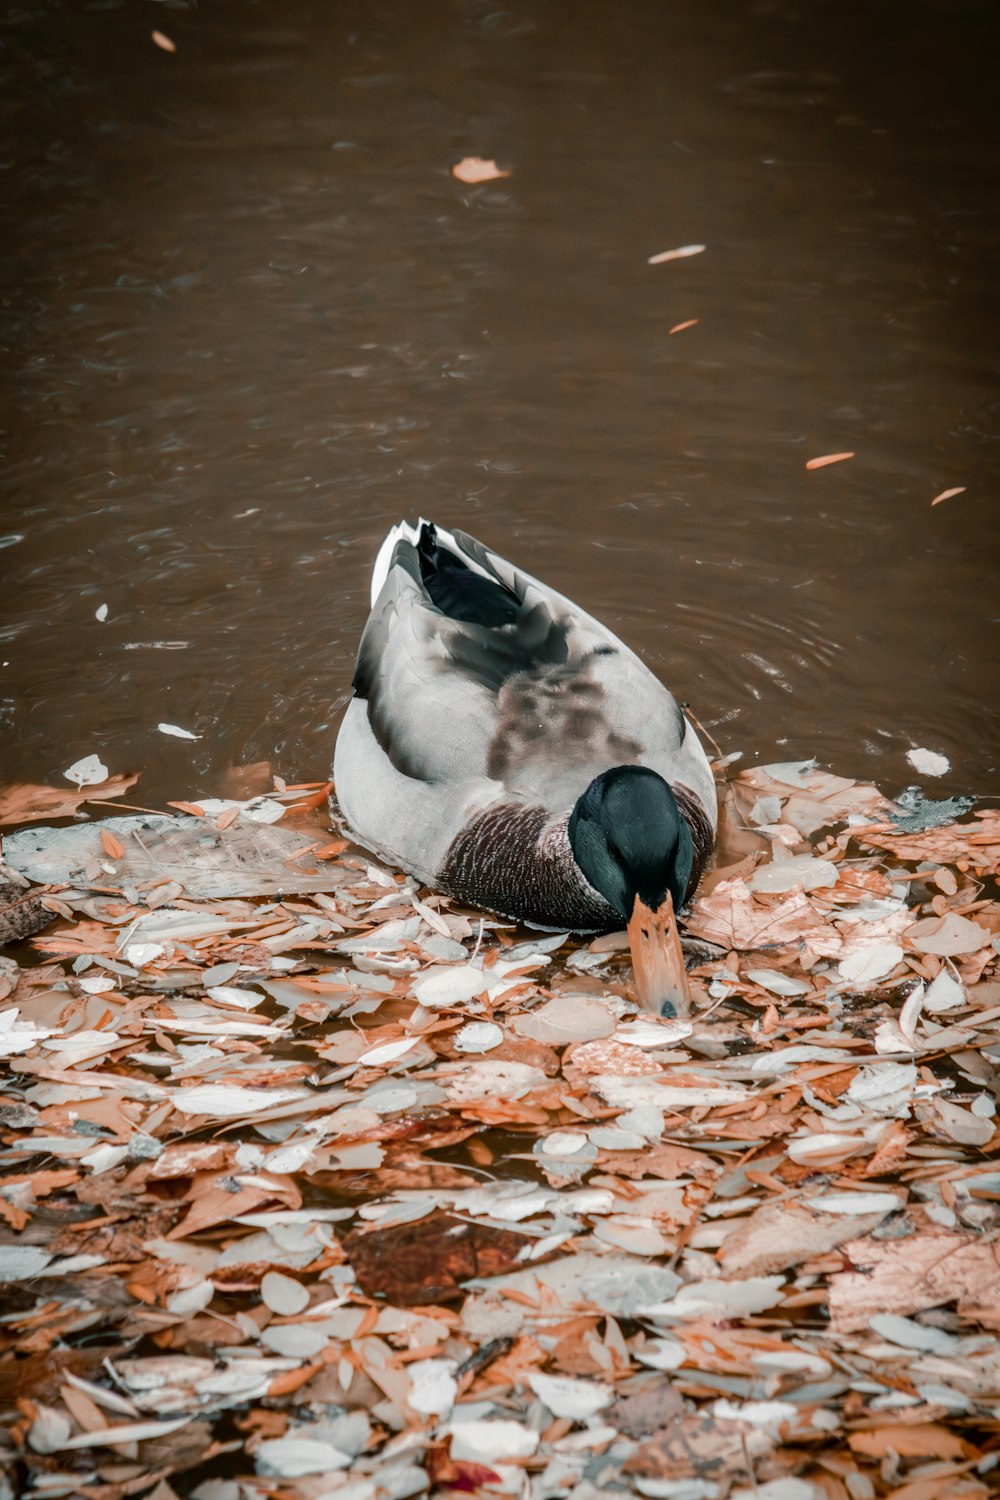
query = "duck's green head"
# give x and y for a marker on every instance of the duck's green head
(629, 838)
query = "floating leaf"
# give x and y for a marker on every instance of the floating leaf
(681, 253)
(826, 459)
(474, 169)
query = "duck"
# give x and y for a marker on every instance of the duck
(507, 749)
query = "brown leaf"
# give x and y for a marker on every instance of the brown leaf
(905, 1276)
(779, 1235)
(412, 1265)
(28, 802)
(923, 1440)
(694, 1446)
(646, 1411)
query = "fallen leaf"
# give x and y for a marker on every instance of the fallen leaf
(928, 762)
(922, 1440)
(679, 327)
(177, 732)
(681, 253)
(29, 803)
(827, 458)
(163, 41)
(476, 169)
(948, 494)
(87, 772)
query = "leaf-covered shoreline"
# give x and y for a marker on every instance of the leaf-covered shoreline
(345, 1192)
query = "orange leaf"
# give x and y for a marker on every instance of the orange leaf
(111, 845)
(828, 458)
(923, 1440)
(947, 494)
(163, 41)
(679, 327)
(188, 807)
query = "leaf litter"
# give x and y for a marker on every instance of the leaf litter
(316, 1185)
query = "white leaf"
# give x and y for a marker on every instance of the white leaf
(912, 1335)
(722, 1299)
(662, 1354)
(910, 1013)
(785, 874)
(563, 1143)
(777, 983)
(283, 1294)
(21, 1262)
(295, 1340)
(126, 1432)
(231, 1099)
(141, 954)
(433, 1386)
(491, 1442)
(855, 1203)
(230, 994)
(385, 1052)
(564, 1397)
(19, 1036)
(478, 1036)
(87, 772)
(824, 1147)
(438, 987)
(627, 1092)
(49, 1430)
(177, 732)
(869, 965)
(294, 1457)
(945, 993)
(101, 613)
(648, 1033)
(928, 762)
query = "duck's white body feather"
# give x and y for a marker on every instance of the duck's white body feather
(452, 718)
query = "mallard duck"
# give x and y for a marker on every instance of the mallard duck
(510, 751)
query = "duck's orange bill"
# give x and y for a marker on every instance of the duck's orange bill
(657, 958)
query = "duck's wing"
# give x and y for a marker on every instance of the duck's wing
(473, 672)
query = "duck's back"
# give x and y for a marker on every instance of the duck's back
(478, 686)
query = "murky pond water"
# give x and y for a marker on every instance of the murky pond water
(251, 320)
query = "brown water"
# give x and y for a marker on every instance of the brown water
(251, 320)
